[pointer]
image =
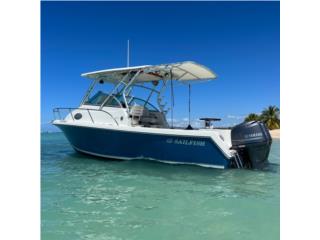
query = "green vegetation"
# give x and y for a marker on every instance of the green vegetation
(270, 116)
(252, 117)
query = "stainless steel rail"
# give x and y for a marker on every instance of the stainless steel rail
(57, 111)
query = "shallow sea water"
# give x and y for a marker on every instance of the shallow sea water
(83, 197)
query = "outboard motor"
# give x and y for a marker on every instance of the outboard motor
(252, 141)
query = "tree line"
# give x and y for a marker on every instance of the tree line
(270, 116)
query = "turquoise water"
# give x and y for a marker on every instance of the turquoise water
(87, 198)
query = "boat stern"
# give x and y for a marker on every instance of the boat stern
(251, 142)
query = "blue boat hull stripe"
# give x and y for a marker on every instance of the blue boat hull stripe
(147, 133)
(134, 145)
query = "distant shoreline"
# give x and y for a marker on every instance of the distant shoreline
(275, 133)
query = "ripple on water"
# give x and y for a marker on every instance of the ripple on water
(88, 198)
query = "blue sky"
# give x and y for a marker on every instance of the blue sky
(240, 41)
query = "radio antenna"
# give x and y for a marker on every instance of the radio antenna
(189, 127)
(189, 103)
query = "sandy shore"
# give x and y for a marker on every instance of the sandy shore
(275, 133)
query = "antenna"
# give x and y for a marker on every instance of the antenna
(128, 53)
(189, 103)
(172, 98)
(189, 127)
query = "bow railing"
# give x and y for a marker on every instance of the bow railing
(76, 114)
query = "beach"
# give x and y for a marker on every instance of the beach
(275, 133)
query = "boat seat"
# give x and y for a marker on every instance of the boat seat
(136, 112)
(143, 117)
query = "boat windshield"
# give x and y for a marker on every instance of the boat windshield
(140, 102)
(117, 101)
(100, 97)
(97, 99)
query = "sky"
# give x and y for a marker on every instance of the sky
(239, 41)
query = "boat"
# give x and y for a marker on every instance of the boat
(122, 125)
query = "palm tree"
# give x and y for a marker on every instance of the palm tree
(270, 116)
(252, 117)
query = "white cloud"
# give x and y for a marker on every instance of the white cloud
(172, 119)
(235, 116)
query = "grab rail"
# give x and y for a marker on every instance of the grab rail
(57, 110)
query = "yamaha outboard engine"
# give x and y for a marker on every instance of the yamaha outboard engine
(252, 141)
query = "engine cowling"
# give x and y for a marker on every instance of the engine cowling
(252, 141)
